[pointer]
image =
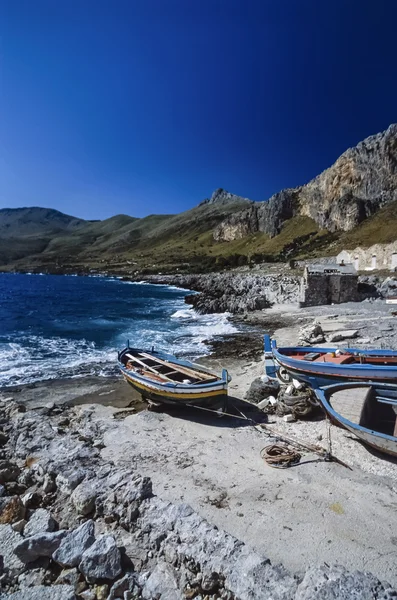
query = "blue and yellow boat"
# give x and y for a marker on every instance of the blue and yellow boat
(162, 378)
(319, 366)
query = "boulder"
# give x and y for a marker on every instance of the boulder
(67, 481)
(19, 526)
(8, 471)
(262, 387)
(102, 560)
(311, 334)
(48, 484)
(162, 583)
(125, 584)
(339, 336)
(69, 577)
(9, 540)
(32, 577)
(41, 544)
(74, 544)
(84, 496)
(40, 522)
(11, 509)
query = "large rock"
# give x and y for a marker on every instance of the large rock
(84, 496)
(40, 522)
(41, 544)
(74, 544)
(345, 334)
(66, 482)
(162, 583)
(127, 583)
(43, 592)
(9, 540)
(262, 387)
(102, 560)
(8, 471)
(311, 334)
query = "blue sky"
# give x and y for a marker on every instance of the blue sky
(146, 107)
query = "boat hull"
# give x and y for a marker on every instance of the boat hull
(320, 374)
(181, 397)
(380, 441)
(203, 394)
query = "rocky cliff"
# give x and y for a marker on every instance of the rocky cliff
(358, 184)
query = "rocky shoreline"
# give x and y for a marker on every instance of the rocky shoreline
(241, 292)
(76, 525)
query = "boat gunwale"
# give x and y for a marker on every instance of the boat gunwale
(324, 396)
(312, 367)
(222, 380)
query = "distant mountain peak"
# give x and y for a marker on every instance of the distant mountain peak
(221, 196)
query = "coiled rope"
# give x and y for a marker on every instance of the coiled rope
(280, 456)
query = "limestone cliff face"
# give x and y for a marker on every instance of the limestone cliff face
(360, 182)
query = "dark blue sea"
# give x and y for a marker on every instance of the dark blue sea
(68, 326)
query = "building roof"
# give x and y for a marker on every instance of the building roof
(339, 269)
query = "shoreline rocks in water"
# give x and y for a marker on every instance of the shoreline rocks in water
(95, 530)
(234, 292)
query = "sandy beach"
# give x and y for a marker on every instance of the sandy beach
(316, 512)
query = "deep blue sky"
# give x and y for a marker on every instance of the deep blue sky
(147, 106)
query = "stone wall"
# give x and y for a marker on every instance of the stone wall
(319, 289)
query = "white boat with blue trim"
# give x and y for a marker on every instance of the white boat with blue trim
(162, 378)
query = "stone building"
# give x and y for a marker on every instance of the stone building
(376, 257)
(328, 284)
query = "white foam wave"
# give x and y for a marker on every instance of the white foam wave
(185, 313)
(38, 358)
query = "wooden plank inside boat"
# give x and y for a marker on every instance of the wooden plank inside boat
(148, 369)
(180, 368)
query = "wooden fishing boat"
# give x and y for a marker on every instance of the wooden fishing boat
(369, 411)
(163, 378)
(323, 366)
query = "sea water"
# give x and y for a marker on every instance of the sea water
(67, 326)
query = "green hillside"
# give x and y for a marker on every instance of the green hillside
(161, 243)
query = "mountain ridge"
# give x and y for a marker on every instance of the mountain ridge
(345, 204)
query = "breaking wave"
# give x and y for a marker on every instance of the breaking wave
(55, 327)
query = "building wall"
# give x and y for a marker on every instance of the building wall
(317, 290)
(379, 256)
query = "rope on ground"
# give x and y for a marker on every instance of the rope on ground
(280, 456)
(322, 452)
